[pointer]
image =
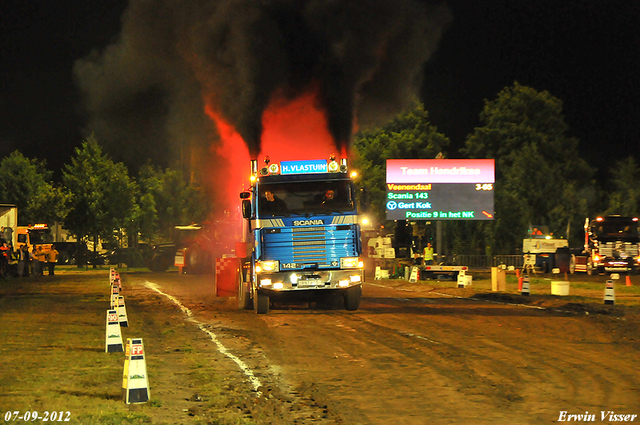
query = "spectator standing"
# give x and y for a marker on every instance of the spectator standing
(36, 260)
(52, 258)
(42, 259)
(5, 257)
(23, 261)
(428, 254)
(31, 262)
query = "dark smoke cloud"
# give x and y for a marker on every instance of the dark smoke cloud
(145, 93)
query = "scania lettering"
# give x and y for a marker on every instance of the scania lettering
(307, 222)
(301, 236)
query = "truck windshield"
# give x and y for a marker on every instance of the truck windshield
(41, 236)
(301, 198)
(616, 230)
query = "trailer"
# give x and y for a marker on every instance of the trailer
(438, 272)
(9, 219)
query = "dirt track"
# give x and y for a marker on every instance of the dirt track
(413, 356)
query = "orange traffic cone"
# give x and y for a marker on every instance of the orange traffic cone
(628, 281)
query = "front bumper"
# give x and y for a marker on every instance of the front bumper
(616, 266)
(309, 280)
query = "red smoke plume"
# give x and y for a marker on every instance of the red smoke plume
(296, 129)
(233, 164)
(292, 130)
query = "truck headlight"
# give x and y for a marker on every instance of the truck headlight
(350, 263)
(267, 266)
(265, 282)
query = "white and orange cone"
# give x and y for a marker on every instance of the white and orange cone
(135, 383)
(462, 279)
(609, 293)
(413, 277)
(115, 293)
(122, 312)
(525, 286)
(113, 339)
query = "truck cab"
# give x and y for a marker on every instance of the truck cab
(302, 234)
(612, 244)
(32, 235)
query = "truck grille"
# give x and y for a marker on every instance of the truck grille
(310, 245)
(618, 249)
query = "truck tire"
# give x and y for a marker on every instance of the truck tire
(544, 267)
(63, 258)
(352, 298)
(572, 264)
(244, 297)
(159, 263)
(260, 303)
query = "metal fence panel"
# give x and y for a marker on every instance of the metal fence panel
(480, 261)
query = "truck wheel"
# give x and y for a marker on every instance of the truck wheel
(63, 258)
(352, 298)
(261, 303)
(159, 263)
(244, 297)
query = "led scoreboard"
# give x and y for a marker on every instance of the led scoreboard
(440, 189)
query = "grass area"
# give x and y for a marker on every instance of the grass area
(52, 343)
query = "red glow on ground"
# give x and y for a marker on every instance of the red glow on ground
(296, 129)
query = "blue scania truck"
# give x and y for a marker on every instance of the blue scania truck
(302, 236)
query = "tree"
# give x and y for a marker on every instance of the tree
(149, 181)
(624, 199)
(27, 183)
(102, 200)
(166, 200)
(540, 177)
(408, 135)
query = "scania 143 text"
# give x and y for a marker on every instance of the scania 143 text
(302, 235)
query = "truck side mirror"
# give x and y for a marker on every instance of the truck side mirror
(246, 209)
(245, 195)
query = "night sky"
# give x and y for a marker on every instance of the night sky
(586, 53)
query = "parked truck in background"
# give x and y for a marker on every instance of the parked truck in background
(198, 245)
(9, 218)
(8, 224)
(302, 238)
(611, 245)
(547, 253)
(40, 234)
